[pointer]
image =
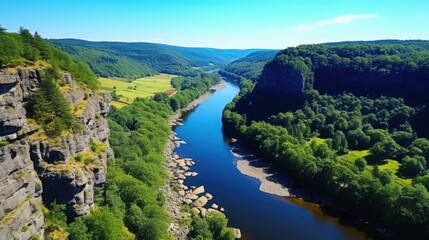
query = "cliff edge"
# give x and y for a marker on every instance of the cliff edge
(36, 169)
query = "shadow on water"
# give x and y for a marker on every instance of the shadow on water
(259, 215)
(332, 213)
(320, 207)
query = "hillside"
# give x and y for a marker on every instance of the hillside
(134, 60)
(348, 121)
(53, 138)
(56, 156)
(250, 66)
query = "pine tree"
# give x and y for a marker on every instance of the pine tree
(50, 108)
(42, 46)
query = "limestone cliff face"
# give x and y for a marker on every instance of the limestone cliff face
(35, 169)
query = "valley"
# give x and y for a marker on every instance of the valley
(214, 120)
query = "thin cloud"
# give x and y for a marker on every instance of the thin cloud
(344, 19)
(157, 39)
(303, 28)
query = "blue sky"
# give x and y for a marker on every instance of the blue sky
(221, 23)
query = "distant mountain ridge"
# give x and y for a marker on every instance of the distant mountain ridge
(137, 59)
(250, 66)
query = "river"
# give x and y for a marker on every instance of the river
(259, 215)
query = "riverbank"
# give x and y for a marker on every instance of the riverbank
(276, 183)
(252, 166)
(271, 180)
(176, 192)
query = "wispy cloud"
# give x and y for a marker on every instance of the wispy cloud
(158, 39)
(303, 28)
(344, 19)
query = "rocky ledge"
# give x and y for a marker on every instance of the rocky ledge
(35, 169)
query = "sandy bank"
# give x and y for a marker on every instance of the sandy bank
(269, 183)
(272, 182)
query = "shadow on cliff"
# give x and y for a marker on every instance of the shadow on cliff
(263, 103)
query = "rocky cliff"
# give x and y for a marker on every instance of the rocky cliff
(36, 169)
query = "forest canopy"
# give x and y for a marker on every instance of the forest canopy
(24, 48)
(359, 149)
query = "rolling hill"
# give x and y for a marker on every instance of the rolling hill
(134, 60)
(250, 66)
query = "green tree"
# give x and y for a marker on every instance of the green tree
(200, 229)
(339, 143)
(78, 230)
(103, 225)
(49, 107)
(360, 163)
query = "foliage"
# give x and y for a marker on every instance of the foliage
(370, 151)
(213, 226)
(135, 60)
(49, 107)
(139, 134)
(25, 47)
(248, 67)
(190, 88)
(55, 218)
(101, 224)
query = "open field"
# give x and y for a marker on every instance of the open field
(142, 87)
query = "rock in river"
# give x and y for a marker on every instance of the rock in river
(209, 196)
(200, 202)
(198, 190)
(237, 233)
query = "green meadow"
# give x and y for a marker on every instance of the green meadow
(142, 87)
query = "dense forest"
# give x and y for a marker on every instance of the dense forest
(133, 204)
(137, 175)
(360, 149)
(249, 67)
(134, 60)
(24, 48)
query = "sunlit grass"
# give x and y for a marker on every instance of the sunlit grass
(142, 87)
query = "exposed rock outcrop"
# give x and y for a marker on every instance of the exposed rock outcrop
(20, 194)
(35, 168)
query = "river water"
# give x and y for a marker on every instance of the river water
(259, 215)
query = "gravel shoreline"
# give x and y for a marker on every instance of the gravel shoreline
(175, 199)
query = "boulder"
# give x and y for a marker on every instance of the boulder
(192, 196)
(209, 196)
(237, 233)
(181, 176)
(203, 211)
(215, 206)
(198, 190)
(200, 202)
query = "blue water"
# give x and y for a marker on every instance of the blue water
(259, 215)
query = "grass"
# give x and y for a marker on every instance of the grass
(317, 140)
(3, 143)
(142, 87)
(392, 165)
(350, 158)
